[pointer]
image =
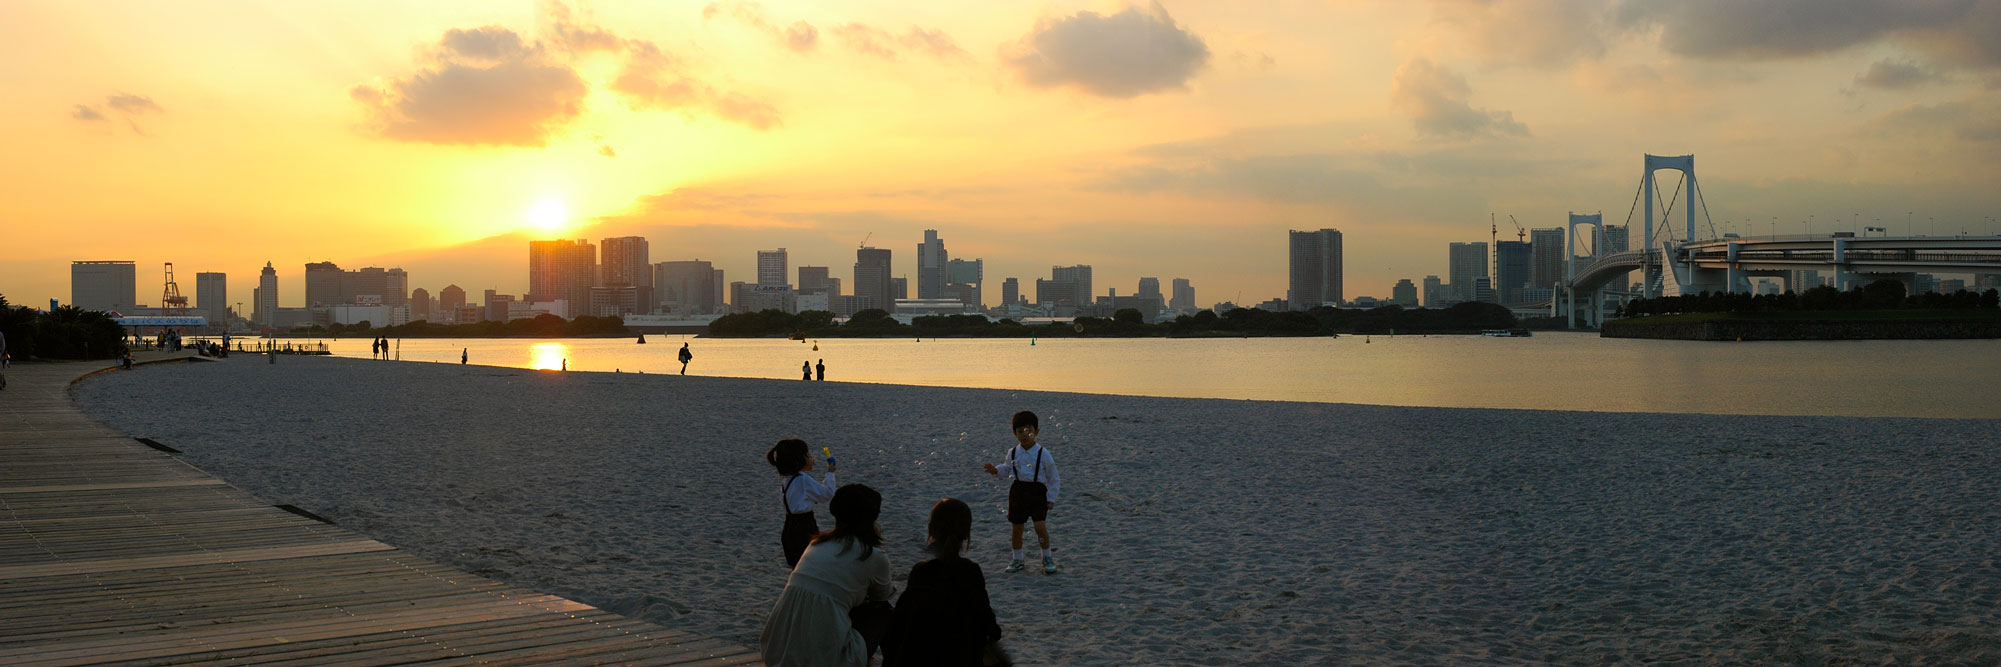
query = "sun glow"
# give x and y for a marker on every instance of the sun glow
(549, 356)
(549, 215)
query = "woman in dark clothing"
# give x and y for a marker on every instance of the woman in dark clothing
(944, 617)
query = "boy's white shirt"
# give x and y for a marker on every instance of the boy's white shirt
(800, 496)
(1022, 468)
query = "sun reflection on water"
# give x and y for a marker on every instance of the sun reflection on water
(547, 356)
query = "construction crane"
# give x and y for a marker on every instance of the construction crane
(865, 239)
(1521, 235)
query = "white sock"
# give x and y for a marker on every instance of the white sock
(1046, 553)
(1017, 554)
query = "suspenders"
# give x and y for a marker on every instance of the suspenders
(1034, 472)
(785, 494)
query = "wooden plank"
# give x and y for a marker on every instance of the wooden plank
(148, 562)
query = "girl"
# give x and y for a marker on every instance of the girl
(944, 617)
(843, 569)
(799, 493)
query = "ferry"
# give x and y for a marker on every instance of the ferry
(1506, 333)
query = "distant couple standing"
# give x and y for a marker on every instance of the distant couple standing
(806, 370)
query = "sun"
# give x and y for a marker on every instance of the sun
(549, 215)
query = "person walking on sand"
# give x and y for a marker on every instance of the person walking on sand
(462, 356)
(806, 370)
(686, 356)
(800, 493)
(821, 368)
(1034, 490)
(944, 616)
(844, 572)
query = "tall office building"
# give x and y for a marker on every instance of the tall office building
(562, 269)
(450, 300)
(815, 280)
(267, 296)
(212, 297)
(1617, 239)
(771, 267)
(899, 288)
(1316, 269)
(716, 283)
(966, 279)
(323, 284)
(625, 261)
(420, 304)
(1150, 287)
(1010, 292)
(1150, 300)
(1547, 267)
(872, 279)
(1434, 292)
(685, 287)
(1512, 260)
(398, 293)
(1183, 300)
(103, 285)
(931, 266)
(1078, 281)
(1468, 262)
(1801, 280)
(372, 282)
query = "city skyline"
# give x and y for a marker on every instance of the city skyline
(1192, 151)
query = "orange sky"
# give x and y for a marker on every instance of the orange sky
(1169, 140)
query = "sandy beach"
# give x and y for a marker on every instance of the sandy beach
(1191, 531)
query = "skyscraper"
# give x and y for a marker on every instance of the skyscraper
(1434, 292)
(1547, 246)
(771, 267)
(1404, 293)
(1150, 298)
(931, 266)
(686, 287)
(1616, 239)
(398, 293)
(815, 280)
(562, 269)
(626, 262)
(1183, 300)
(1468, 262)
(872, 279)
(1512, 261)
(420, 304)
(1071, 286)
(103, 285)
(964, 279)
(212, 297)
(450, 300)
(1010, 292)
(267, 296)
(322, 284)
(1316, 269)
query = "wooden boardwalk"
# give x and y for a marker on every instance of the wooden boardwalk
(113, 551)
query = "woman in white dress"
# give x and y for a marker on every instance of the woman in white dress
(842, 569)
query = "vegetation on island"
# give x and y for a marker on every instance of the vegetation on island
(1126, 323)
(1880, 300)
(67, 332)
(540, 326)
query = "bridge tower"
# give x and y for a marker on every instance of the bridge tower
(1685, 164)
(1597, 223)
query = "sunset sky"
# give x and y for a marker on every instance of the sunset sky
(1178, 139)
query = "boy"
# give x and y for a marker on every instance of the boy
(1034, 490)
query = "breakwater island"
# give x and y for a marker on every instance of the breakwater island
(1194, 530)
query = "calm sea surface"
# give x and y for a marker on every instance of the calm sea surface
(1556, 371)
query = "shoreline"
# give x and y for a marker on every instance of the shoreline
(1201, 530)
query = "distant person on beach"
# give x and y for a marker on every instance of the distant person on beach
(5, 360)
(806, 369)
(800, 493)
(125, 359)
(822, 369)
(835, 603)
(462, 356)
(1034, 490)
(944, 617)
(686, 356)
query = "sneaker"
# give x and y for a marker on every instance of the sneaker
(1049, 565)
(1015, 565)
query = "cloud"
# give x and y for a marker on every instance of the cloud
(1539, 33)
(1894, 75)
(484, 86)
(1435, 99)
(133, 104)
(800, 36)
(1131, 53)
(872, 41)
(607, 151)
(1970, 119)
(87, 114)
(1963, 32)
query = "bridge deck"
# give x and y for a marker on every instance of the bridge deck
(111, 551)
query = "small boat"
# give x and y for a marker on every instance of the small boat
(798, 336)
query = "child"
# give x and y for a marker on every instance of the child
(1034, 490)
(799, 493)
(944, 616)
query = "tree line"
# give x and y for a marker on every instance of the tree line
(1879, 295)
(68, 332)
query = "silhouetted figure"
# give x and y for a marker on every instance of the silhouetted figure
(822, 369)
(462, 356)
(944, 617)
(806, 370)
(686, 356)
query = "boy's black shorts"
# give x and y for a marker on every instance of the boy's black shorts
(1027, 500)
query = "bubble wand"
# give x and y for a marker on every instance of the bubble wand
(829, 453)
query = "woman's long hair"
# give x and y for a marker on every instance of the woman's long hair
(855, 508)
(788, 456)
(951, 525)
